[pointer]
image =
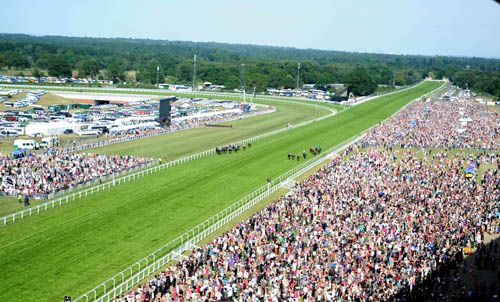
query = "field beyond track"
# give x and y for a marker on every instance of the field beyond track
(72, 248)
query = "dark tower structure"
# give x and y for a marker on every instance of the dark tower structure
(164, 117)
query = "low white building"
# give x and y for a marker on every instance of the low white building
(52, 128)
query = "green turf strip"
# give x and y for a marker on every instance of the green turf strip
(73, 248)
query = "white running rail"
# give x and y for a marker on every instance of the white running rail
(113, 181)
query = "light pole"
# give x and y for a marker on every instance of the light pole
(194, 74)
(298, 75)
(158, 76)
(244, 85)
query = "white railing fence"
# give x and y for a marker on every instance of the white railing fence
(114, 181)
(101, 180)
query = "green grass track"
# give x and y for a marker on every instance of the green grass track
(73, 248)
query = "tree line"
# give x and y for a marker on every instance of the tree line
(135, 61)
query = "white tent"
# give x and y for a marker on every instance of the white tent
(52, 128)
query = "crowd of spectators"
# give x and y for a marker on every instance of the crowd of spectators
(42, 174)
(373, 225)
(447, 124)
(204, 120)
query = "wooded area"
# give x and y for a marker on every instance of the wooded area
(135, 61)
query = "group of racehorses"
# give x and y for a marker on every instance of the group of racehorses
(315, 150)
(231, 147)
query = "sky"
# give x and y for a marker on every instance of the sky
(425, 27)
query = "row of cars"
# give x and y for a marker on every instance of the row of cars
(50, 80)
(7, 94)
(68, 119)
(11, 129)
(11, 121)
(30, 99)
